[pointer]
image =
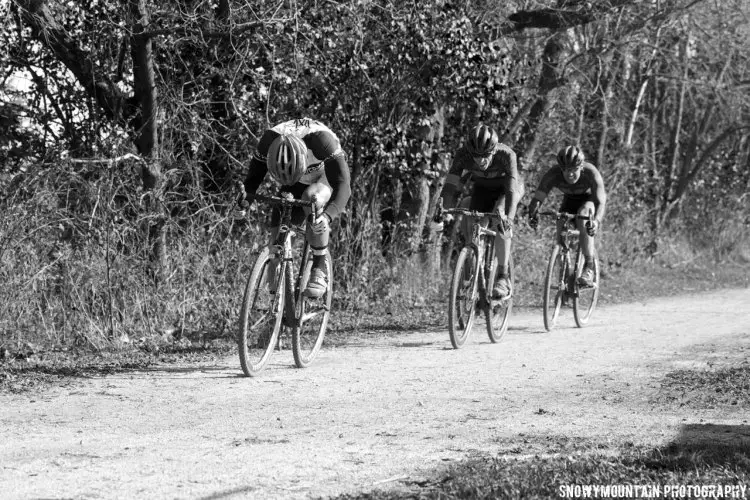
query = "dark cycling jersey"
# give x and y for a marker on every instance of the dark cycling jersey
(502, 172)
(500, 179)
(326, 162)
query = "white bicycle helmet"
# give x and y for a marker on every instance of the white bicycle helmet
(287, 159)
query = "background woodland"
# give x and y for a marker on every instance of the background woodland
(125, 126)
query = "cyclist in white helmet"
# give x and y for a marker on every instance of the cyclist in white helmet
(583, 194)
(497, 187)
(306, 158)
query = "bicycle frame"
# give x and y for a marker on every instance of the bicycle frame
(282, 250)
(289, 307)
(465, 304)
(568, 241)
(563, 270)
(479, 231)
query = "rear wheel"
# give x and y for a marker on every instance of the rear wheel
(312, 316)
(498, 313)
(462, 297)
(554, 288)
(261, 314)
(584, 300)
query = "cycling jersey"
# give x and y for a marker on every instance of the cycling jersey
(499, 180)
(325, 160)
(586, 185)
(502, 172)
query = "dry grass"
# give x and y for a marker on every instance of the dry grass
(75, 263)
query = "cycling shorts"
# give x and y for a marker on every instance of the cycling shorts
(572, 204)
(485, 199)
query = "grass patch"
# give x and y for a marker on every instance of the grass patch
(706, 388)
(649, 280)
(543, 476)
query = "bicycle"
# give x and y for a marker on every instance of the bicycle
(270, 304)
(561, 280)
(471, 290)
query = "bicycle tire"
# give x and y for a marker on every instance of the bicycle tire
(308, 335)
(585, 298)
(497, 314)
(260, 316)
(462, 304)
(554, 288)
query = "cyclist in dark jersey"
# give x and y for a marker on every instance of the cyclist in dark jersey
(583, 194)
(306, 158)
(497, 187)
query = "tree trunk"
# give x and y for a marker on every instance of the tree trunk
(674, 145)
(216, 166)
(430, 137)
(604, 100)
(549, 80)
(146, 138)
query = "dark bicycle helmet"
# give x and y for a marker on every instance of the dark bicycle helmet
(287, 159)
(570, 157)
(482, 141)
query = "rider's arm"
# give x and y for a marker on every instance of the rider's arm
(545, 185)
(453, 184)
(324, 144)
(600, 198)
(258, 168)
(339, 177)
(255, 176)
(512, 184)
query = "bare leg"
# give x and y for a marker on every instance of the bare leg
(318, 282)
(585, 241)
(322, 193)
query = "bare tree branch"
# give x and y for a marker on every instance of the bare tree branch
(50, 33)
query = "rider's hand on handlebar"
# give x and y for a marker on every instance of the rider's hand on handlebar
(437, 225)
(503, 223)
(591, 227)
(322, 224)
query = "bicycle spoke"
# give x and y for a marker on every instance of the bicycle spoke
(260, 318)
(586, 297)
(313, 314)
(497, 316)
(461, 306)
(554, 288)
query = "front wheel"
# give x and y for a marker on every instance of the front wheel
(261, 314)
(554, 288)
(463, 297)
(498, 313)
(584, 300)
(312, 316)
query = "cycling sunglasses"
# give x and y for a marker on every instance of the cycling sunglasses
(482, 157)
(571, 170)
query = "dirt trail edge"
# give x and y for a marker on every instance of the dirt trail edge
(375, 413)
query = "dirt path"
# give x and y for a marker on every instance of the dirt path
(377, 413)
